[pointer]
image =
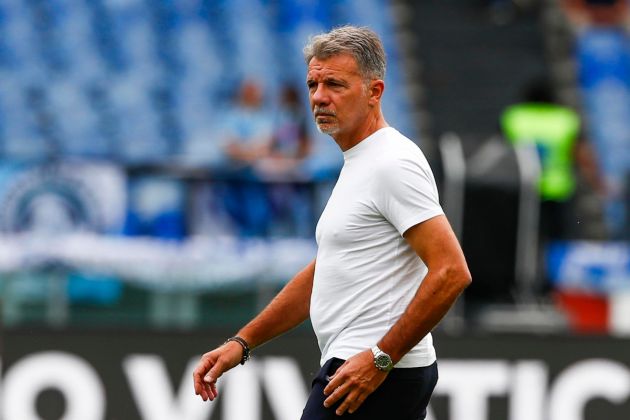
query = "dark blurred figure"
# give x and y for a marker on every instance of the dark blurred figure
(291, 143)
(555, 130)
(501, 12)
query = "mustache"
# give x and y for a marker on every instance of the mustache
(319, 111)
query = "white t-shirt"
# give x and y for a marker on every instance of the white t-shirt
(366, 273)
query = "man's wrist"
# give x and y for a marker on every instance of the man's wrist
(244, 345)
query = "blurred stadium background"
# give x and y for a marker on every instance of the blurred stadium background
(133, 238)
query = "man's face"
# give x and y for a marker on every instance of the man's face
(337, 94)
(251, 95)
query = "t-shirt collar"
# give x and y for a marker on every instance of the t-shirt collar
(363, 144)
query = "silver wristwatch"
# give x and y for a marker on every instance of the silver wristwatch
(382, 360)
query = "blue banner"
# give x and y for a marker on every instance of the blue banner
(604, 61)
(598, 267)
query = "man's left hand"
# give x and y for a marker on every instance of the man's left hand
(353, 382)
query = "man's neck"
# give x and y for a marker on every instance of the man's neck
(373, 124)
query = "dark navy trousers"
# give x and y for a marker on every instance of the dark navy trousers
(404, 395)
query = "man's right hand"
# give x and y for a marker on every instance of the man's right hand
(287, 310)
(212, 365)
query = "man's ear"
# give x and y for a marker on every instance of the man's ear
(375, 91)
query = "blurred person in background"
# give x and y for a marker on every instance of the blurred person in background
(265, 152)
(248, 126)
(247, 137)
(388, 264)
(555, 130)
(290, 147)
(291, 143)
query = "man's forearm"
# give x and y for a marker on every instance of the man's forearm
(287, 310)
(434, 297)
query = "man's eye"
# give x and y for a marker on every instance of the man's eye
(335, 85)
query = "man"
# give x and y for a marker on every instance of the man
(388, 265)
(248, 127)
(555, 130)
(246, 139)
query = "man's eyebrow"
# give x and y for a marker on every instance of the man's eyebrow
(335, 80)
(328, 79)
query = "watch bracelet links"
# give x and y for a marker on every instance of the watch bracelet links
(246, 351)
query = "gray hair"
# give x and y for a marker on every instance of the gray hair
(360, 42)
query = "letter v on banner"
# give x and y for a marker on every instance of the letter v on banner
(240, 390)
(284, 387)
(241, 393)
(153, 393)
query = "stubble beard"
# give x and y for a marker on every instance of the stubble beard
(329, 128)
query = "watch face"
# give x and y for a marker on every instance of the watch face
(383, 362)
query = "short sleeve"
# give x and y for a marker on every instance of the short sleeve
(406, 193)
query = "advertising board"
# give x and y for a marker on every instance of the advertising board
(124, 375)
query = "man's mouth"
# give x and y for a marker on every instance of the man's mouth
(322, 113)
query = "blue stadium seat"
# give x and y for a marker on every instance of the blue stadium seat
(162, 67)
(104, 36)
(5, 53)
(23, 141)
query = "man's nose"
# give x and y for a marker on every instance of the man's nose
(320, 96)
